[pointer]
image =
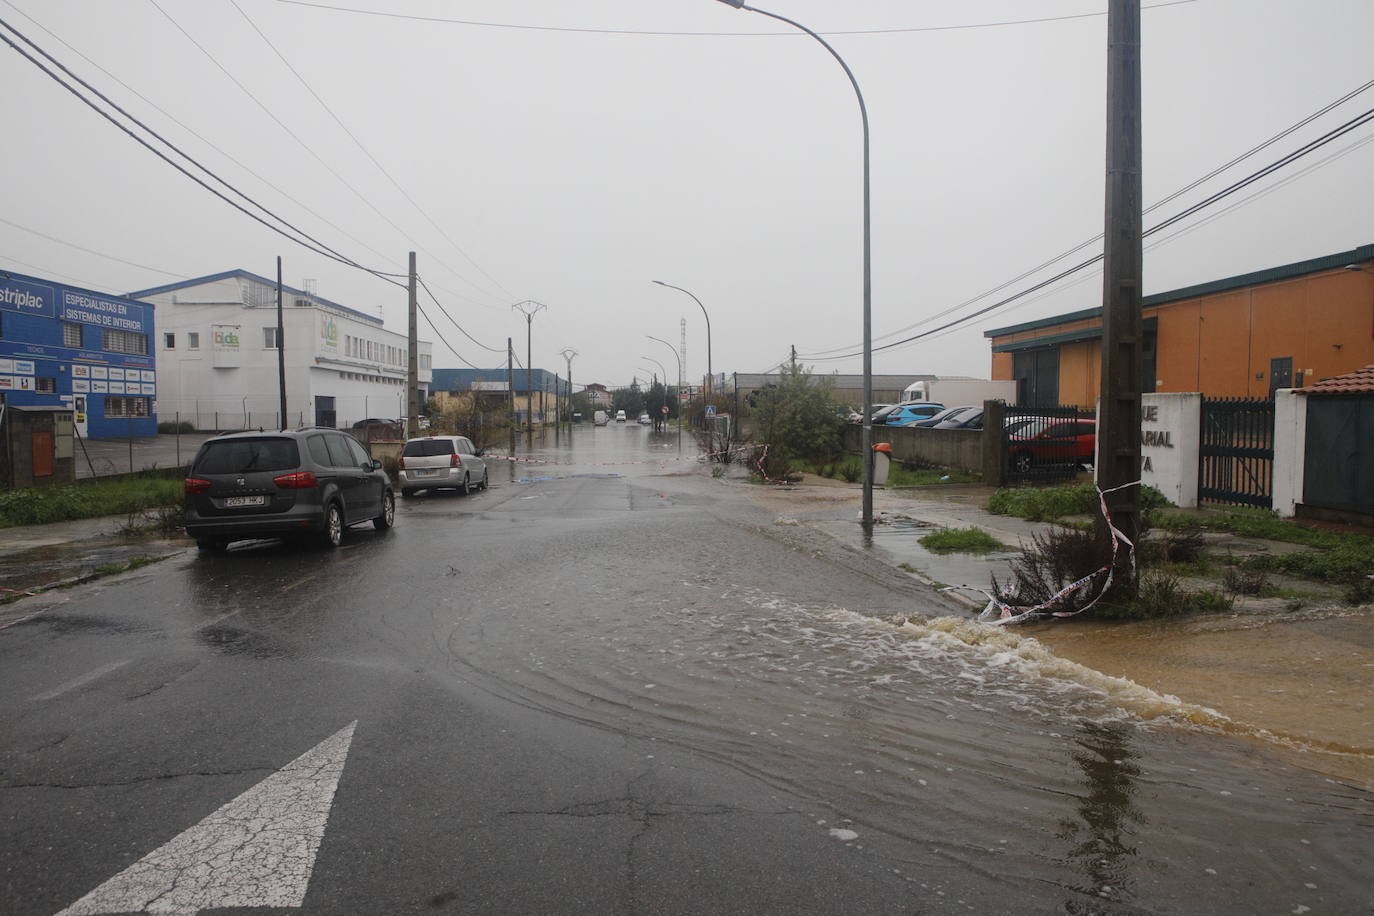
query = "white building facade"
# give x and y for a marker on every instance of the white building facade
(216, 347)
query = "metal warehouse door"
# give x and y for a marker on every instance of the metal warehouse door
(1338, 472)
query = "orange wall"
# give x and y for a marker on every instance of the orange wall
(1219, 344)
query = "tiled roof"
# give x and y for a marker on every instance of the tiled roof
(1361, 381)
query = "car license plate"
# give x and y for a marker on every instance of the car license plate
(234, 502)
(427, 472)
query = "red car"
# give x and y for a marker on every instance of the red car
(1035, 441)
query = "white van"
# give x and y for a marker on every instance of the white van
(620, 416)
(600, 418)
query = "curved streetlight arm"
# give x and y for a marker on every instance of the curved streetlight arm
(867, 517)
(709, 375)
(675, 356)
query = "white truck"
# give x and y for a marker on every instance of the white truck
(960, 392)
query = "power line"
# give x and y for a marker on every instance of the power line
(108, 257)
(318, 247)
(821, 354)
(193, 132)
(453, 321)
(443, 340)
(1297, 154)
(373, 159)
(661, 34)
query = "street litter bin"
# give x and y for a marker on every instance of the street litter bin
(882, 460)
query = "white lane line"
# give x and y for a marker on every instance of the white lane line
(78, 682)
(256, 851)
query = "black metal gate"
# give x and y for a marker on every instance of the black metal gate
(1236, 461)
(1338, 472)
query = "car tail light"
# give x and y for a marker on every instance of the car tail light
(454, 461)
(195, 485)
(401, 463)
(304, 480)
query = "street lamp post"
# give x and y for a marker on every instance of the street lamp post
(710, 378)
(867, 440)
(528, 308)
(679, 385)
(568, 353)
(664, 369)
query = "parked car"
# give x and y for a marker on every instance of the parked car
(880, 414)
(855, 415)
(904, 414)
(968, 418)
(644, 419)
(620, 416)
(304, 482)
(372, 429)
(933, 419)
(1035, 441)
(441, 463)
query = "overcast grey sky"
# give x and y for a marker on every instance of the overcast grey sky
(578, 157)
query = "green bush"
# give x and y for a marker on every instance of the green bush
(961, 540)
(171, 426)
(45, 505)
(1044, 504)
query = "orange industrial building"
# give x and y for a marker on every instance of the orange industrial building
(1242, 337)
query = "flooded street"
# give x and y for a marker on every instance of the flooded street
(614, 683)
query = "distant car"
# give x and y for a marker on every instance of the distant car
(599, 418)
(312, 482)
(372, 429)
(855, 415)
(441, 463)
(620, 416)
(967, 418)
(903, 414)
(933, 419)
(1035, 441)
(644, 419)
(880, 414)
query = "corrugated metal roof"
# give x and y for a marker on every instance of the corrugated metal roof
(1361, 381)
(1255, 278)
(462, 379)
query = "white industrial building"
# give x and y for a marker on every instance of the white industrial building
(217, 356)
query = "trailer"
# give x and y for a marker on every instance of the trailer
(959, 392)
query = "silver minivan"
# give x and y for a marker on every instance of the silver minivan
(441, 462)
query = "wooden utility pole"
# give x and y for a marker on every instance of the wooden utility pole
(412, 361)
(1118, 426)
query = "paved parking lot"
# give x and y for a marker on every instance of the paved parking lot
(99, 457)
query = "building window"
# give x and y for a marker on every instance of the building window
(71, 334)
(193, 340)
(120, 408)
(123, 341)
(269, 338)
(45, 385)
(169, 341)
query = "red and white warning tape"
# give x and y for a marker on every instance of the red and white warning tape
(1005, 613)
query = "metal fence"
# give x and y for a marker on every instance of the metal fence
(1236, 452)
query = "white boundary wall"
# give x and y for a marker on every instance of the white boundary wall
(1290, 449)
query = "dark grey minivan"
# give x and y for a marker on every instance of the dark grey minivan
(306, 482)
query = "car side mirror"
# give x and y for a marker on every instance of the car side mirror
(374, 465)
(480, 452)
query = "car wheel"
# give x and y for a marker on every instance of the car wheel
(1022, 462)
(466, 487)
(332, 535)
(212, 545)
(407, 492)
(485, 480)
(388, 516)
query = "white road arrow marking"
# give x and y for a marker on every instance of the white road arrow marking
(258, 850)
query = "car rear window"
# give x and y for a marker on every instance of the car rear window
(237, 456)
(427, 448)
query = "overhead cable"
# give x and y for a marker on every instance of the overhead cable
(664, 34)
(453, 321)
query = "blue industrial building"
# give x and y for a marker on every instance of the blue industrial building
(62, 346)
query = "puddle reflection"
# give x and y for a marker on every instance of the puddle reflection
(1101, 841)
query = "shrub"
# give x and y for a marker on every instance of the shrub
(44, 505)
(961, 540)
(171, 426)
(1044, 504)
(1244, 580)
(1053, 559)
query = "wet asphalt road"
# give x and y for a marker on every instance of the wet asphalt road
(609, 684)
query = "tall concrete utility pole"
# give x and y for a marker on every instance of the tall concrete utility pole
(1118, 422)
(528, 308)
(281, 349)
(510, 390)
(412, 359)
